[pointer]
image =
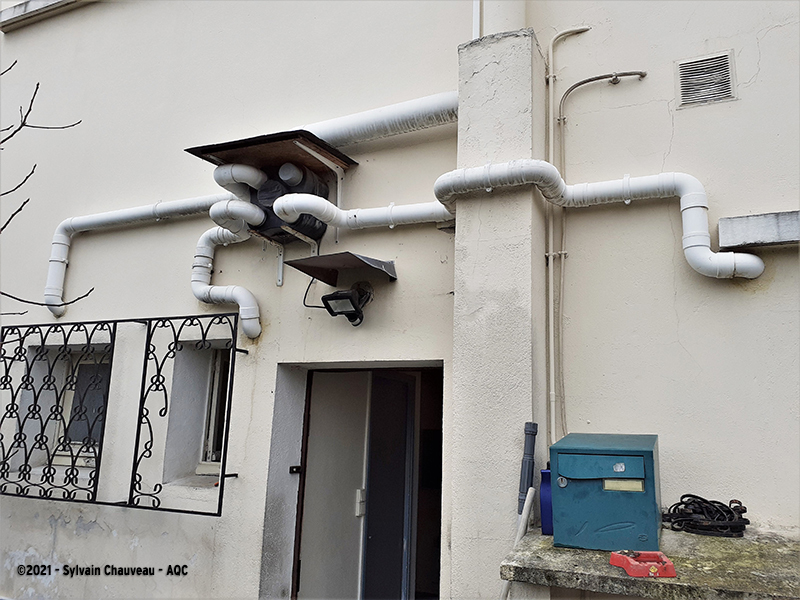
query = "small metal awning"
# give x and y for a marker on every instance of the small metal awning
(269, 152)
(326, 268)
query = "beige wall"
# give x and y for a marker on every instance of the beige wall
(650, 345)
(711, 366)
(149, 79)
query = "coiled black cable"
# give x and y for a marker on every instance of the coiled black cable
(694, 514)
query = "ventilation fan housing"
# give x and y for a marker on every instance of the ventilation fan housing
(706, 79)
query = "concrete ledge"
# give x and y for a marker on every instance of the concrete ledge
(31, 11)
(758, 566)
(767, 229)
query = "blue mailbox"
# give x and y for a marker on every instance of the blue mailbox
(605, 491)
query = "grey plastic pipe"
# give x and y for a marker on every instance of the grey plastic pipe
(126, 217)
(291, 206)
(404, 117)
(694, 204)
(223, 294)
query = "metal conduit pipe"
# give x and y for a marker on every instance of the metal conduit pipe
(694, 204)
(238, 179)
(404, 117)
(223, 294)
(68, 228)
(291, 206)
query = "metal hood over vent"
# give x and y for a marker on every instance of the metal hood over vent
(707, 79)
(327, 266)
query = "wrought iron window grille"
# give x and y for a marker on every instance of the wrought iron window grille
(60, 385)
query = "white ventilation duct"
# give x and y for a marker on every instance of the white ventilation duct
(223, 294)
(694, 205)
(291, 206)
(404, 117)
(238, 179)
(233, 217)
(68, 228)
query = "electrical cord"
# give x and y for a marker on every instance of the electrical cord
(694, 514)
(305, 296)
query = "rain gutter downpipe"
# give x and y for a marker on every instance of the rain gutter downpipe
(694, 204)
(68, 228)
(404, 117)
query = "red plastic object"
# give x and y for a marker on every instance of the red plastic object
(643, 564)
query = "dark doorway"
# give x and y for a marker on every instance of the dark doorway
(395, 417)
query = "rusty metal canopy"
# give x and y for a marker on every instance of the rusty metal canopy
(269, 152)
(326, 268)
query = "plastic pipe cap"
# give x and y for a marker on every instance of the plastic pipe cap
(290, 174)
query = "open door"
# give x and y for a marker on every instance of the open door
(370, 499)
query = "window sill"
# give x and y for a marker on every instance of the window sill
(759, 565)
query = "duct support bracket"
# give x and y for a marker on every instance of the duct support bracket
(279, 247)
(314, 245)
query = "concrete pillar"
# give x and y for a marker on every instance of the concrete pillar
(498, 331)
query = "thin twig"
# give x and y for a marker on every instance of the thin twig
(8, 69)
(19, 185)
(43, 303)
(23, 117)
(78, 122)
(14, 214)
(24, 312)
(6, 128)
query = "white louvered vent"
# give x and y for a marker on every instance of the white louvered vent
(706, 79)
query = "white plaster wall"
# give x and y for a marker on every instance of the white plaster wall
(651, 346)
(711, 366)
(149, 79)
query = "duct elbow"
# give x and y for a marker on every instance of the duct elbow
(238, 179)
(55, 304)
(289, 207)
(234, 215)
(723, 265)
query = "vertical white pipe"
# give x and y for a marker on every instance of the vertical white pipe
(476, 19)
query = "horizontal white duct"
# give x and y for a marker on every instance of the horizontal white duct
(68, 228)
(694, 204)
(291, 206)
(404, 117)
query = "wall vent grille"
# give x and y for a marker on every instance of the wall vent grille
(706, 79)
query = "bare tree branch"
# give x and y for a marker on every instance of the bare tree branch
(14, 214)
(24, 312)
(19, 185)
(8, 69)
(6, 128)
(23, 117)
(78, 122)
(43, 303)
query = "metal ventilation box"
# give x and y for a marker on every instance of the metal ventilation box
(605, 491)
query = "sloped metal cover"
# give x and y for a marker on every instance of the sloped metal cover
(326, 268)
(268, 152)
(706, 79)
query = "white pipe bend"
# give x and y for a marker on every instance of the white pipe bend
(68, 228)
(238, 179)
(223, 294)
(235, 215)
(290, 206)
(694, 204)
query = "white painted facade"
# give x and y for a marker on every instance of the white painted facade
(650, 346)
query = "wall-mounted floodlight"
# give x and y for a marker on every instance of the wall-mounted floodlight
(349, 303)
